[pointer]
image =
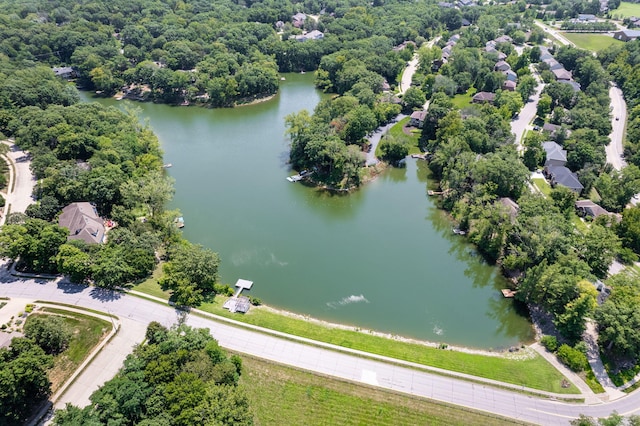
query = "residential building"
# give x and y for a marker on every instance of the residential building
(560, 175)
(83, 223)
(483, 97)
(627, 35)
(556, 156)
(417, 118)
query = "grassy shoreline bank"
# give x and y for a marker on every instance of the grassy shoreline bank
(522, 368)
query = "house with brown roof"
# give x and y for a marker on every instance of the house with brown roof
(483, 97)
(589, 208)
(83, 223)
(509, 85)
(417, 118)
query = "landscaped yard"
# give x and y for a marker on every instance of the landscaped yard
(463, 100)
(397, 131)
(543, 186)
(87, 331)
(626, 10)
(283, 395)
(592, 42)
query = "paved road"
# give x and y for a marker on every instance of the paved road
(619, 117)
(20, 197)
(562, 39)
(520, 125)
(407, 379)
(410, 70)
(375, 138)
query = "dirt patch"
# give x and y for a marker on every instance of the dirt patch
(408, 130)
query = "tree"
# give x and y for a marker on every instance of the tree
(598, 247)
(191, 273)
(23, 380)
(527, 87)
(414, 98)
(629, 228)
(509, 103)
(393, 149)
(35, 242)
(50, 332)
(544, 105)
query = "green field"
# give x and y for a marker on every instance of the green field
(626, 10)
(592, 42)
(282, 395)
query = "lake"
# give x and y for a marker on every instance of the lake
(382, 257)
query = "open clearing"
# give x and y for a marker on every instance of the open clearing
(627, 10)
(592, 42)
(282, 395)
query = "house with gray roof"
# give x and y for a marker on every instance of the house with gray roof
(83, 223)
(501, 66)
(483, 97)
(556, 156)
(627, 35)
(560, 175)
(562, 74)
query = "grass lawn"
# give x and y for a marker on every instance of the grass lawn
(88, 332)
(592, 42)
(283, 395)
(579, 223)
(627, 10)
(397, 132)
(151, 286)
(543, 186)
(463, 100)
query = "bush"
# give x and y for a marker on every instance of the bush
(549, 342)
(2, 201)
(572, 358)
(50, 332)
(255, 301)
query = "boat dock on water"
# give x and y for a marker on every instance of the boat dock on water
(299, 176)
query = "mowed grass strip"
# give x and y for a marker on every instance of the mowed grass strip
(532, 371)
(87, 331)
(283, 395)
(592, 42)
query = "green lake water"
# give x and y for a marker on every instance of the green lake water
(383, 257)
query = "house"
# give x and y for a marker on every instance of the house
(589, 208)
(627, 35)
(64, 72)
(311, 35)
(509, 85)
(446, 52)
(463, 3)
(501, 66)
(465, 22)
(553, 64)
(512, 207)
(574, 85)
(556, 156)
(483, 97)
(504, 39)
(560, 175)
(446, 5)
(455, 37)
(552, 129)
(562, 74)
(511, 76)
(417, 118)
(584, 17)
(83, 223)
(298, 19)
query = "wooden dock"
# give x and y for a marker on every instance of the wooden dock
(508, 293)
(299, 176)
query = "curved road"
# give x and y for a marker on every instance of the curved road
(20, 179)
(410, 379)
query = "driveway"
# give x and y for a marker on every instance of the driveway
(322, 358)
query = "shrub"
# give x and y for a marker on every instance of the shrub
(572, 358)
(255, 301)
(51, 333)
(549, 342)
(29, 308)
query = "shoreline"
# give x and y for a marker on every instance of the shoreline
(435, 345)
